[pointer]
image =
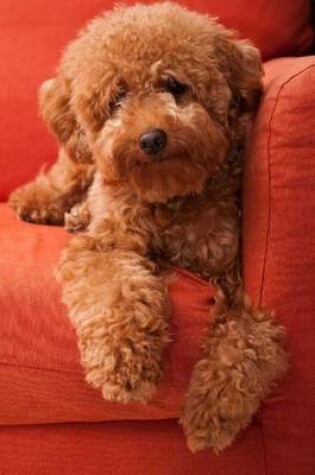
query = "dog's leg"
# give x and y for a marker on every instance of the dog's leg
(119, 307)
(46, 199)
(243, 358)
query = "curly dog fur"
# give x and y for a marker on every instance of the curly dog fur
(150, 106)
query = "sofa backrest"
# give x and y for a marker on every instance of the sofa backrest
(34, 32)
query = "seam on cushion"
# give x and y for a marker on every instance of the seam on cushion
(39, 368)
(267, 236)
(263, 447)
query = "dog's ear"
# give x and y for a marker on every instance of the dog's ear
(98, 102)
(241, 65)
(55, 108)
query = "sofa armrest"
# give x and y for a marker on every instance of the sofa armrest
(280, 171)
(279, 250)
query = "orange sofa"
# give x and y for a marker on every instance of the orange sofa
(51, 421)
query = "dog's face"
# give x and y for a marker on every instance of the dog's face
(159, 94)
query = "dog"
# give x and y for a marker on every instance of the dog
(150, 106)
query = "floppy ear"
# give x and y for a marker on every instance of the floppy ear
(241, 65)
(55, 108)
(98, 103)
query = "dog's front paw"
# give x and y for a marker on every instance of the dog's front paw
(125, 369)
(215, 408)
(34, 205)
(244, 358)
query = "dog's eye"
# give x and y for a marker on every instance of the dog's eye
(120, 96)
(174, 87)
(116, 101)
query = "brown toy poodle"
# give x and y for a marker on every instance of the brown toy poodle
(150, 106)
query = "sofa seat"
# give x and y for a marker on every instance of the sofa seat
(40, 376)
(45, 402)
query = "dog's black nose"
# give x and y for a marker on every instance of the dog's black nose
(153, 141)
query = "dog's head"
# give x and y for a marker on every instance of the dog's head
(158, 94)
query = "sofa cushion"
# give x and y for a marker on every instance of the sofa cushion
(277, 27)
(279, 251)
(40, 375)
(34, 32)
(121, 448)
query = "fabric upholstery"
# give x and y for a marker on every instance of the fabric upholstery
(120, 448)
(34, 33)
(38, 346)
(279, 251)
